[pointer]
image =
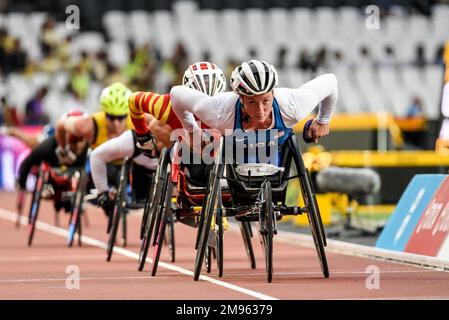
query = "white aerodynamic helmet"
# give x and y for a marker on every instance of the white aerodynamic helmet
(253, 78)
(205, 77)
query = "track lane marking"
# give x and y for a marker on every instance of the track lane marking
(12, 216)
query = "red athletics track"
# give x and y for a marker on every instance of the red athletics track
(39, 272)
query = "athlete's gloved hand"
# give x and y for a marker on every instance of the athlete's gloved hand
(305, 132)
(65, 155)
(105, 202)
(147, 143)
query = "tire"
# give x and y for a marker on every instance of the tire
(154, 195)
(208, 259)
(165, 210)
(315, 222)
(34, 209)
(267, 226)
(219, 243)
(246, 235)
(171, 237)
(75, 217)
(315, 225)
(207, 213)
(117, 212)
(147, 208)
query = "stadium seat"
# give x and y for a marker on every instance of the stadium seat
(116, 25)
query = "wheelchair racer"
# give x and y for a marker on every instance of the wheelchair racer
(256, 104)
(96, 129)
(48, 151)
(204, 77)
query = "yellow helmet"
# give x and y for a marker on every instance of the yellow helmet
(114, 99)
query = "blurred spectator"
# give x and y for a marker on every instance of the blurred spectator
(336, 60)
(416, 109)
(230, 66)
(14, 59)
(3, 35)
(50, 63)
(80, 81)
(389, 58)
(99, 66)
(365, 59)
(321, 59)
(252, 53)
(49, 37)
(64, 52)
(281, 64)
(9, 114)
(113, 75)
(439, 56)
(306, 63)
(420, 58)
(35, 114)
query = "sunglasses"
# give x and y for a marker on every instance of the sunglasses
(112, 117)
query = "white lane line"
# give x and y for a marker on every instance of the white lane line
(49, 258)
(12, 216)
(65, 279)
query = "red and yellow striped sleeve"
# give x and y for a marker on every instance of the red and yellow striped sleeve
(159, 106)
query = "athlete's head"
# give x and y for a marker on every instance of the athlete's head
(205, 77)
(254, 82)
(76, 144)
(114, 102)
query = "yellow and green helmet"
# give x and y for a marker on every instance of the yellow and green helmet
(114, 99)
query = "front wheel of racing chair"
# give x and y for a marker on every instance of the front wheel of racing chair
(164, 211)
(118, 211)
(153, 200)
(266, 227)
(245, 229)
(42, 179)
(82, 175)
(208, 212)
(311, 207)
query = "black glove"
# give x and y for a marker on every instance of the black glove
(105, 202)
(147, 144)
(305, 131)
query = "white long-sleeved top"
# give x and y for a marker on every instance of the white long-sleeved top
(118, 148)
(219, 111)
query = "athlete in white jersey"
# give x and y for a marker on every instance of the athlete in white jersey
(255, 102)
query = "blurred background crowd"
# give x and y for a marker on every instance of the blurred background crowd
(47, 68)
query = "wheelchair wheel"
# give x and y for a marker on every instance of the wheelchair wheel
(219, 241)
(207, 213)
(171, 237)
(266, 228)
(146, 210)
(165, 211)
(151, 208)
(124, 227)
(117, 212)
(34, 209)
(208, 258)
(245, 229)
(315, 224)
(19, 204)
(75, 217)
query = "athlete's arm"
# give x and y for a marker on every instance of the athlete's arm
(78, 126)
(44, 151)
(114, 149)
(159, 106)
(296, 104)
(215, 112)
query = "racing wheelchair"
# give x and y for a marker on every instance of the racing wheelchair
(60, 185)
(260, 198)
(124, 201)
(176, 196)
